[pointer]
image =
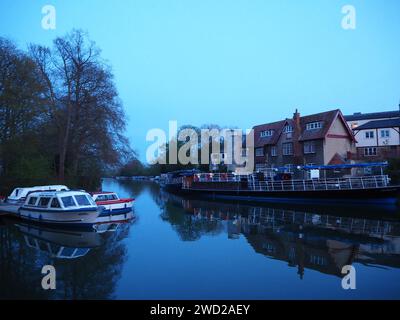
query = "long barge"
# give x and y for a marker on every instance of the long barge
(371, 189)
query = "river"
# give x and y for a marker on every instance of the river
(191, 249)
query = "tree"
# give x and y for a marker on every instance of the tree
(83, 103)
(21, 105)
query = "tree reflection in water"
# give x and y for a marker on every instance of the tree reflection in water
(90, 273)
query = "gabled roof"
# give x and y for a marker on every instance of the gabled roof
(337, 159)
(276, 126)
(371, 116)
(326, 118)
(388, 123)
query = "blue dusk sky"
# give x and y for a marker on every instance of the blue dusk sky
(230, 62)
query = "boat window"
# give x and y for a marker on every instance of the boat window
(67, 252)
(82, 200)
(101, 197)
(32, 201)
(112, 197)
(68, 201)
(44, 202)
(55, 203)
(81, 251)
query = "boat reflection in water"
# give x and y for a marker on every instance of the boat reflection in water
(316, 240)
(88, 261)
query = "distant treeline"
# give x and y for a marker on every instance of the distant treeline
(136, 168)
(60, 115)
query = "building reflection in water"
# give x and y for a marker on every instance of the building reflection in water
(303, 238)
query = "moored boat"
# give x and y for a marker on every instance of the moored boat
(375, 189)
(60, 207)
(112, 205)
(18, 195)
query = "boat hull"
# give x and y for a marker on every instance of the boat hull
(79, 217)
(383, 195)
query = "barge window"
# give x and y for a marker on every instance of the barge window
(82, 200)
(32, 201)
(55, 203)
(44, 202)
(68, 201)
(112, 197)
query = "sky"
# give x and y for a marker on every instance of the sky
(229, 62)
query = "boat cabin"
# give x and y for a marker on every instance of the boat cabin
(104, 196)
(20, 194)
(59, 200)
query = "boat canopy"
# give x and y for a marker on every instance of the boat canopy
(344, 166)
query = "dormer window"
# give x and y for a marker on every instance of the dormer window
(266, 133)
(288, 129)
(314, 125)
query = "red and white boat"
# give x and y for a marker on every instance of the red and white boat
(112, 205)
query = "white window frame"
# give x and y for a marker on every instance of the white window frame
(288, 128)
(369, 134)
(385, 133)
(274, 151)
(259, 154)
(314, 125)
(285, 150)
(311, 147)
(368, 151)
(266, 133)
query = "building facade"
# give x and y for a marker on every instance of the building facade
(377, 135)
(319, 139)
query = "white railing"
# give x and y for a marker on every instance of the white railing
(364, 182)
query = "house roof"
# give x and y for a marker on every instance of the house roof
(327, 118)
(276, 126)
(337, 159)
(374, 115)
(377, 124)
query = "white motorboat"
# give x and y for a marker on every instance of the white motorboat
(60, 207)
(18, 195)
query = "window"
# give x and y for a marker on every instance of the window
(266, 133)
(82, 200)
(370, 151)
(273, 151)
(288, 128)
(32, 201)
(44, 202)
(68, 201)
(314, 125)
(55, 203)
(309, 147)
(287, 149)
(112, 197)
(369, 134)
(259, 152)
(385, 133)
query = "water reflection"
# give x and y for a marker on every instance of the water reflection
(88, 262)
(308, 239)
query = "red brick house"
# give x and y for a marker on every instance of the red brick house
(323, 138)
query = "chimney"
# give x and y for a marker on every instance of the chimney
(296, 119)
(296, 136)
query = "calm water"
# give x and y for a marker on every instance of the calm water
(192, 249)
